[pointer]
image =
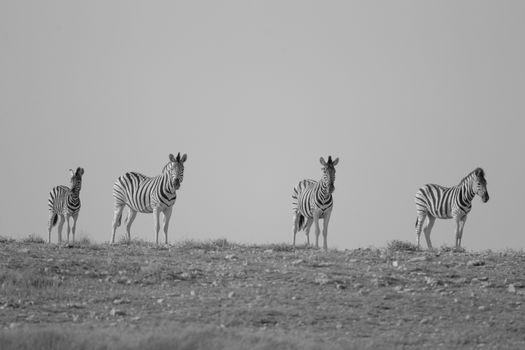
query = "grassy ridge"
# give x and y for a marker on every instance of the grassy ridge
(222, 295)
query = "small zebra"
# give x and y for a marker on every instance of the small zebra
(65, 201)
(435, 201)
(148, 195)
(312, 200)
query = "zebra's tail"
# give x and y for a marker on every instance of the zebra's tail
(301, 222)
(54, 219)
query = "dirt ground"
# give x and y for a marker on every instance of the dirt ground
(374, 298)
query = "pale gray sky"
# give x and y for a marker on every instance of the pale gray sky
(403, 92)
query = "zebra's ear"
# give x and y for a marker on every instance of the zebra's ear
(71, 172)
(172, 158)
(322, 161)
(479, 173)
(183, 158)
(334, 163)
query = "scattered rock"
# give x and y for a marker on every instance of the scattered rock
(480, 279)
(322, 279)
(418, 258)
(297, 262)
(121, 301)
(117, 312)
(511, 288)
(231, 294)
(475, 263)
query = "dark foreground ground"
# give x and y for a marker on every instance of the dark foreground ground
(218, 295)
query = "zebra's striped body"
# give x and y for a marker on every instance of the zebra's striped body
(435, 201)
(65, 202)
(145, 194)
(312, 200)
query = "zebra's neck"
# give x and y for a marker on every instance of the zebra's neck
(466, 191)
(74, 195)
(169, 183)
(323, 191)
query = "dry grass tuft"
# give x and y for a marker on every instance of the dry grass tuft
(34, 238)
(404, 246)
(209, 338)
(25, 280)
(4, 239)
(213, 245)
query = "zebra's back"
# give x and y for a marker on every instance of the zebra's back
(436, 200)
(57, 201)
(139, 192)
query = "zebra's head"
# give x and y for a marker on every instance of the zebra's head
(329, 171)
(176, 169)
(479, 185)
(76, 179)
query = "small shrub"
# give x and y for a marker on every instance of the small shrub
(33, 238)
(6, 239)
(84, 241)
(281, 247)
(215, 245)
(453, 249)
(398, 246)
(24, 280)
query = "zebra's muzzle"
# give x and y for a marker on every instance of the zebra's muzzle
(485, 197)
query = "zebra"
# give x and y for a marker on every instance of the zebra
(312, 200)
(65, 201)
(435, 201)
(148, 195)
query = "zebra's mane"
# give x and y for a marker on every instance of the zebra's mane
(167, 167)
(479, 173)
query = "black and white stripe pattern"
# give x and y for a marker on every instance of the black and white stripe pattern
(312, 200)
(435, 201)
(65, 202)
(148, 195)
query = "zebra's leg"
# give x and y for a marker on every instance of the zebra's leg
(428, 229)
(294, 227)
(308, 226)
(460, 223)
(326, 220)
(52, 222)
(67, 227)
(317, 228)
(156, 214)
(131, 217)
(117, 217)
(167, 216)
(74, 228)
(60, 225)
(419, 224)
(296, 224)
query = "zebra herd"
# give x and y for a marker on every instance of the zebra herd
(311, 200)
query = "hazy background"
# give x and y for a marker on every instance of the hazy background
(404, 93)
